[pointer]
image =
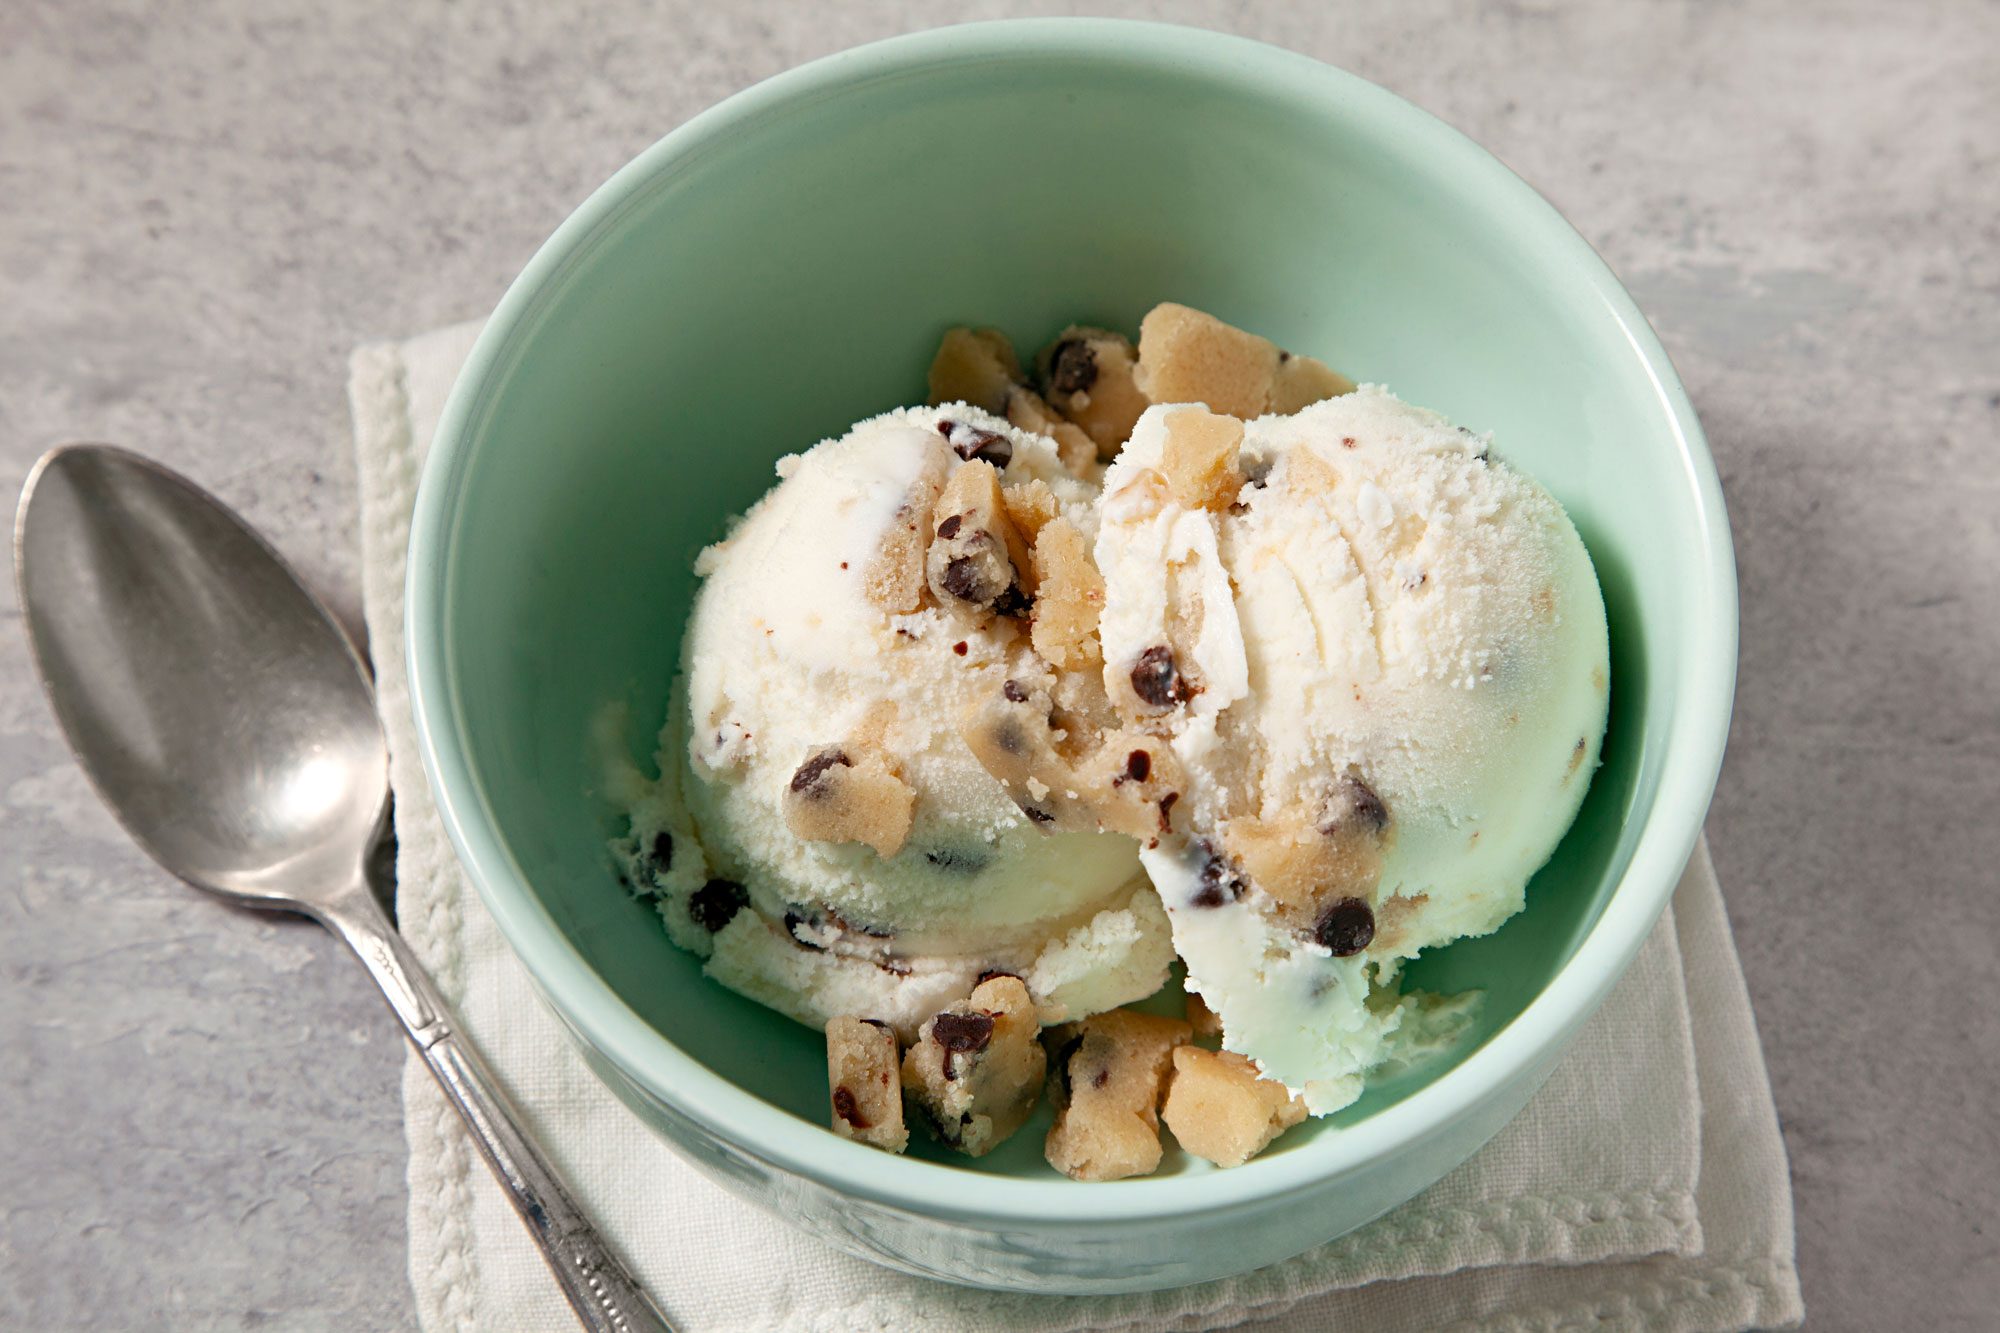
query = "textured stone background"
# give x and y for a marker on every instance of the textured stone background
(203, 206)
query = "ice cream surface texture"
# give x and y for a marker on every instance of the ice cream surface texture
(820, 832)
(1380, 657)
(990, 709)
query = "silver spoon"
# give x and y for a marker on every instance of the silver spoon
(228, 723)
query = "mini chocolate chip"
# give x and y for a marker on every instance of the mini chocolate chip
(1346, 927)
(962, 1034)
(949, 528)
(1039, 816)
(793, 921)
(1063, 1056)
(847, 1109)
(1157, 681)
(1219, 883)
(1366, 805)
(812, 772)
(1073, 367)
(1013, 602)
(1010, 738)
(970, 442)
(961, 577)
(960, 647)
(716, 903)
(1167, 811)
(1015, 694)
(1347, 442)
(663, 848)
(992, 972)
(1283, 356)
(956, 861)
(1139, 765)
(1103, 1077)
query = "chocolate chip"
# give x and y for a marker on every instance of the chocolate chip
(793, 921)
(811, 774)
(1139, 765)
(954, 861)
(961, 647)
(1355, 800)
(961, 577)
(1039, 816)
(1013, 602)
(1010, 738)
(1220, 883)
(1103, 1077)
(1015, 694)
(1063, 1057)
(962, 1034)
(1347, 442)
(1157, 681)
(1283, 356)
(949, 528)
(1346, 927)
(716, 903)
(663, 849)
(844, 1106)
(970, 442)
(1073, 367)
(1167, 811)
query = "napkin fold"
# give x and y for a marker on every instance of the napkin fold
(1645, 1186)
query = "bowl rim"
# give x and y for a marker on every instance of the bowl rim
(1524, 1048)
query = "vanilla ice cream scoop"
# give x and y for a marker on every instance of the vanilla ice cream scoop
(819, 832)
(1380, 657)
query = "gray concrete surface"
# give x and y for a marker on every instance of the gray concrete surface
(204, 205)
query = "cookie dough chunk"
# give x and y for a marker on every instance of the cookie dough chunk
(1220, 1108)
(1135, 780)
(977, 562)
(976, 1069)
(1301, 381)
(894, 579)
(975, 366)
(1013, 734)
(1029, 411)
(1088, 375)
(849, 793)
(1069, 598)
(1320, 862)
(1105, 1084)
(1204, 1020)
(1199, 458)
(862, 1081)
(1186, 356)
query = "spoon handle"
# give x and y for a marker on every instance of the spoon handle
(605, 1296)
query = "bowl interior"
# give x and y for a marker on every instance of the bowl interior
(791, 272)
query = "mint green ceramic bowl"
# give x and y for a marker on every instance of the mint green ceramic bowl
(783, 265)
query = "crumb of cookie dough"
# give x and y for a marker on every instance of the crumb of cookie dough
(1031, 412)
(894, 578)
(863, 1083)
(1069, 597)
(975, 1070)
(1032, 506)
(1220, 1108)
(1087, 375)
(1204, 1020)
(975, 366)
(1199, 458)
(848, 793)
(1301, 381)
(1105, 1082)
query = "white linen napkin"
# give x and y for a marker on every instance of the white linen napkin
(1645, 1186)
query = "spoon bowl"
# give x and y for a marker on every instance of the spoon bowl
(222, 714)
